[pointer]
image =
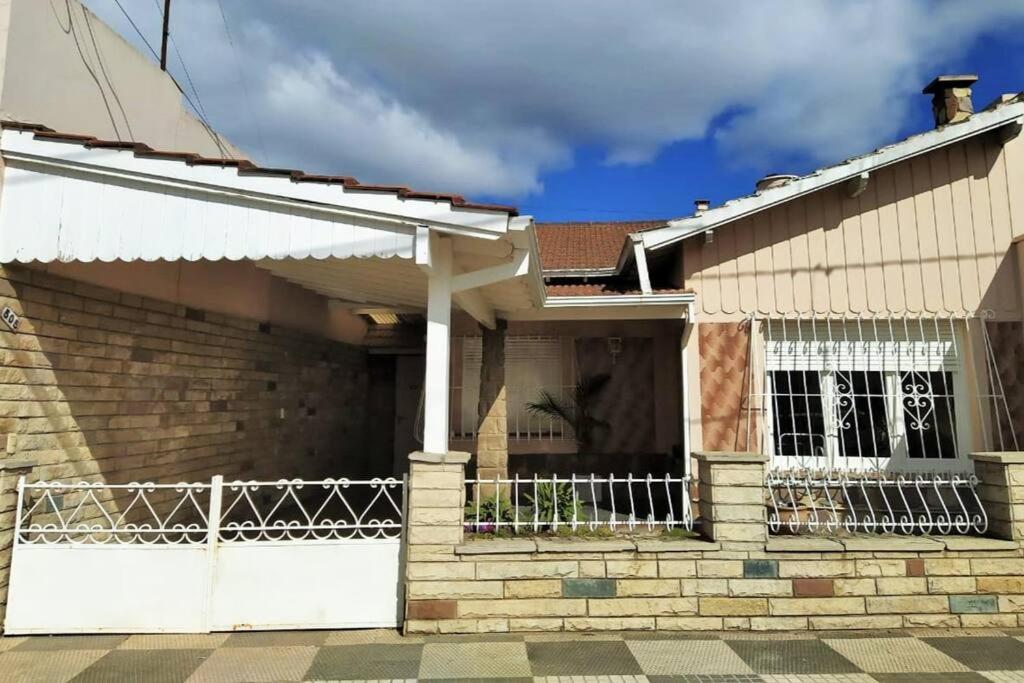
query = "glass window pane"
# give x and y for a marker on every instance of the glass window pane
(861, 417)
(799, 421)
(928, 414)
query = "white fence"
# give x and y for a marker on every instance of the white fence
(575, 503)
(874, 502)
(201, 557)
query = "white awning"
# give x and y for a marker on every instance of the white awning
(71, 202)
(68, 199)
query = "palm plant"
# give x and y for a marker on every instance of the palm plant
(577, 412)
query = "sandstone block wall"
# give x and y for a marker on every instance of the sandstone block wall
(737, 579)
(99, 385)
(695, 585)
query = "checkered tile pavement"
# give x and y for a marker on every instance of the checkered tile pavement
(861, 657)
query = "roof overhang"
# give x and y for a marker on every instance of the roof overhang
(581, 272)
(977, 124)
(64, 200)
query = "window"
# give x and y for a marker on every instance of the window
(862, 394)
(532, 365)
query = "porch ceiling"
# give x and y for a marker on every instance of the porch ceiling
(400, 282)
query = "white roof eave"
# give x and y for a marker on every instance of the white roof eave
(20, 147)
(682, 228)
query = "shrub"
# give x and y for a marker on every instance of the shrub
(489, 511)
(551, 497)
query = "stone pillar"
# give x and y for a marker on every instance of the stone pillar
(732, 497)
(1001, 490)
(492, 432)
(434, 510)
(10, 471)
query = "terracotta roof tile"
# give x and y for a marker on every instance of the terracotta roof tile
(586, 246)
(246, 167)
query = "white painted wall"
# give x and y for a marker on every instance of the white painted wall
(62, 67)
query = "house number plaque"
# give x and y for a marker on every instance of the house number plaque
(10, 318)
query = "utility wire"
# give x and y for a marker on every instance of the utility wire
(201, 110)
(199, 113)
(241, 78)
(135, 26)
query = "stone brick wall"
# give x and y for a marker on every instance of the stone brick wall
(99, 385)
(696, 585)
(738, 579)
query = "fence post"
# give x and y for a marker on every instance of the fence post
(1001, 491)
(12, 479)
(732, 496)
(212, 540)
(434, 526)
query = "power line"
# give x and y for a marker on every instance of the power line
(241, 78)
(200, 110)
(134, 26)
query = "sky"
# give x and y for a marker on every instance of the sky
(574, 109)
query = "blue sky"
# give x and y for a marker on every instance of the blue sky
(578, 109)
(684, 171)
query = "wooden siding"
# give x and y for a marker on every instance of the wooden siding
(930, 235)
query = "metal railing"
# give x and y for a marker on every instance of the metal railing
(806, 502)
(192, 513)
(531, 505)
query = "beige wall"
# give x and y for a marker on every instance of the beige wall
(63, 67)
(932, 234)
(236, 288)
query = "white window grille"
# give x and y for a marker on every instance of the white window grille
(875, 394)
(530, 505)
(533, 364)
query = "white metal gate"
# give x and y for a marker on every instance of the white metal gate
(217, 556)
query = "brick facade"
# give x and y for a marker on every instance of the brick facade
(492, 430)
(526, 585)
(724, 386)
(737, 580)
(99, 385)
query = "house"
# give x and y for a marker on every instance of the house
(245, 336)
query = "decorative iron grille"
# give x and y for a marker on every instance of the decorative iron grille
(874, 502)
(878, 394)
(578, 503)
(230, 512)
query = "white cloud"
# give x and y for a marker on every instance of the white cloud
(484, 97)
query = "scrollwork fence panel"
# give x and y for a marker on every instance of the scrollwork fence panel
(185, 513)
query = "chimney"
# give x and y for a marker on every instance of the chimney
(951, 98)
(773, 180)
(700, 206)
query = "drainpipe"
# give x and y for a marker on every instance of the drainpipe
(684, 340)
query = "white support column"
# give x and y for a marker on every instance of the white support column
(641, 264)
(439, 312)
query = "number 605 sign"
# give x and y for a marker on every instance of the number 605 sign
(10, 317)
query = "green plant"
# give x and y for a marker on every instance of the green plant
(551, 498)
(578, 413)
(483, 516)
